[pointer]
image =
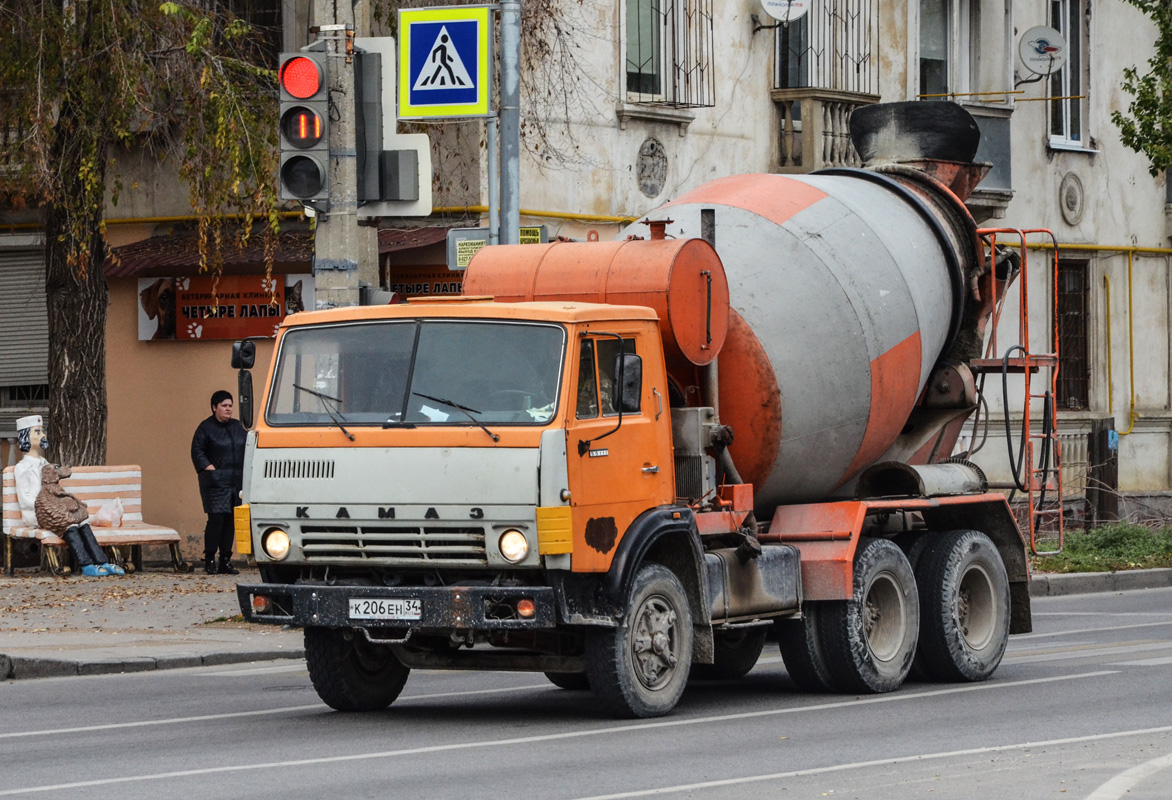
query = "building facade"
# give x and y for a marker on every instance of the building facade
(627, 104)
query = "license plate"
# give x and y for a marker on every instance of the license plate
(385, 608)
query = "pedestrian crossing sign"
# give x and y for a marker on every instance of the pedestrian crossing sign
(444, 62)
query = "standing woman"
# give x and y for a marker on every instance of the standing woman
(217, 451)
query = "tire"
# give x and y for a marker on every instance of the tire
(573, 681)
(734, 655)
(964, 602)
(801, 650)
(640, 668)
(869, 641)
(352, 675)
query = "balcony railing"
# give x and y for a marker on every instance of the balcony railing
(814, 130)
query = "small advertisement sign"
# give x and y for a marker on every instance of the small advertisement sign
(228, 307)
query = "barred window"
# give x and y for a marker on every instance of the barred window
(1073, 354)
(834, 46)
(669, 53)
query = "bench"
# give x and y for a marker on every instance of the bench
(93, 486)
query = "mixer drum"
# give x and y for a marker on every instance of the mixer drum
(845, 290)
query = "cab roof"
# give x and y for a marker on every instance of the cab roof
(461, 307)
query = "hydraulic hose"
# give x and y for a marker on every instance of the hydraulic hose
(1015, 465)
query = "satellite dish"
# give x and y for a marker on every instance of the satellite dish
(786, 10)
(1043, 50)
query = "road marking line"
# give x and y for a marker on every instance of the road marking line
(1102, 614)
(1123, 783)
(547, 737)
(1144, 662)
(883, 762)
(1023, 636)
(233, 714)
(1085, 652)
(244, 673)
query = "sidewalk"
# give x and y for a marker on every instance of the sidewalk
(153, 620)
(161, 620)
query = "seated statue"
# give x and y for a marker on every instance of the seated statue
(45, 504)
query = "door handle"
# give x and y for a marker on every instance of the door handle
(650, 470)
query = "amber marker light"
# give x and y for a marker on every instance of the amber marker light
(526, 608)
(261, 604)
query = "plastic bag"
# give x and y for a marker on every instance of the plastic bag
(110, 514)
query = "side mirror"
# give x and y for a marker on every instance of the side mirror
(628, 386)
(244, 394)
(243, 354)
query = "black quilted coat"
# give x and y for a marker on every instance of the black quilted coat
(220, 444)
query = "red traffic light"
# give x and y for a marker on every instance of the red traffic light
(300, 77)
(302, 127)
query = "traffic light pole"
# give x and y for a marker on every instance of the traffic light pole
(344, 252)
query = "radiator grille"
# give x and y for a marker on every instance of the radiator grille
(402, 545)
(297, 468)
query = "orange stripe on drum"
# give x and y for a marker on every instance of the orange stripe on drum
(774, 197)
(895, 378)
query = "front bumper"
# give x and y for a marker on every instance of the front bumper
(446, 608)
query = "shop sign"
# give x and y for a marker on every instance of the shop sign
(228, 307)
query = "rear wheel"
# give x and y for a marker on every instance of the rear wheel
(801, 650)
(640, 668)
(734, 655)
(351, 674)
(574, 681)
(964, 601)
(870, 640)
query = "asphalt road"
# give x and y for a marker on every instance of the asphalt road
(1080, 708)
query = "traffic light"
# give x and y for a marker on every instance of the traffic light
(305, 126)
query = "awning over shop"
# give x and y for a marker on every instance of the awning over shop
(178, 254)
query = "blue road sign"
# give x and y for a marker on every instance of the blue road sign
(444, 62)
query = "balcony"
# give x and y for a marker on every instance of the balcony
(814, 131)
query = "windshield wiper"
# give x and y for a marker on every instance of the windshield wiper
(468, 412)
(323, 398)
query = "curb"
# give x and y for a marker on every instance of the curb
(20, 667)
(1056, 584)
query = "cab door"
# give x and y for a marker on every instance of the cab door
(619, 465)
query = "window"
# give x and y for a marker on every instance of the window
(793, 54)
(945, 34)
(591, 380)
(407, 373)
(1066, 118)
(1073, 361)
(669, 53)
(833, 46)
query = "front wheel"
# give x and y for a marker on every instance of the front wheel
(964, 597)
(869, 641)
(351, 674)
(640, 668)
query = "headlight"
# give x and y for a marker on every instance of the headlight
(275, 543)
(513, 546)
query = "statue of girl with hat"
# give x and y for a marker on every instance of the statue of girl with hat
(70, 520)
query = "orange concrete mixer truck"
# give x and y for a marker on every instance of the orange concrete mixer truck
(626, 463)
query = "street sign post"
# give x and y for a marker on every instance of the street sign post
(445, 57)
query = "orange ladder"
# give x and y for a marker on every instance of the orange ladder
(1043, 483)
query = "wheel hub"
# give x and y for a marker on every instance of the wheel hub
(655, 642)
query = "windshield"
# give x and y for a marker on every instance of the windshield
(414, 372)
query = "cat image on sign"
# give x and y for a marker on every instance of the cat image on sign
(293, 302)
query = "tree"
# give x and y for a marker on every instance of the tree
(78, 79)
(1147, 125)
